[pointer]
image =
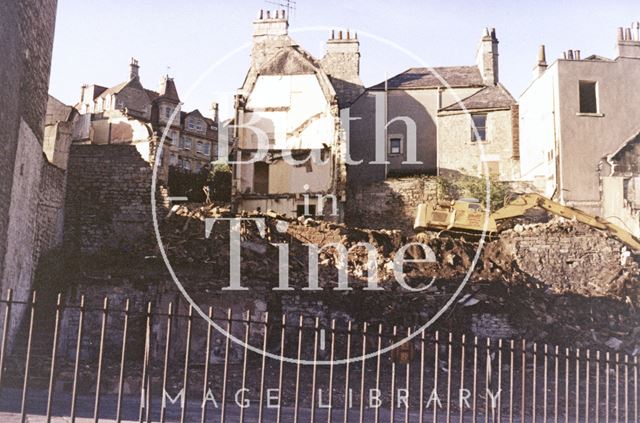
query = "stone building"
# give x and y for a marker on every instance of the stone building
(26, 37)
(129, 113)
(289, 106)
(424, 120)
(621, 186)
(576, 111)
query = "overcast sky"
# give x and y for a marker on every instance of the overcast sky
(95, 40)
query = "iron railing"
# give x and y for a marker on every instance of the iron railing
(135, 362)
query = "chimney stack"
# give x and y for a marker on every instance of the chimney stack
(214, 112)
(270, 25)
(133, 69)
(270, 33)
(541, 66)
(342, 63)
(487, 57)
(628, 42)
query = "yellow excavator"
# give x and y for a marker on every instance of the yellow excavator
(468, 216)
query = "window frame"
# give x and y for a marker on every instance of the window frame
(393, 137)
(596, 97)
(482, 129)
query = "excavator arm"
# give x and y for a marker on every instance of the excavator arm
(524, 202)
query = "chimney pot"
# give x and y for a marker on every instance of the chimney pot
(261, 15)
(620, 33)
(340, 35)
(348, 35)
(284, 16)
(627, 34)
(333, 34)
(268, 14)
(577, 54)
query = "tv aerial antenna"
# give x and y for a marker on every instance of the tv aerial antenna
(288, 5)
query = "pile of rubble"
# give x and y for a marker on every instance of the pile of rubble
(557, 281)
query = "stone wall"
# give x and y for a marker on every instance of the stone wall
(390, 204)
(458, 154)
(26, 36)
(108, 198)
(50, 220)
(573, 257)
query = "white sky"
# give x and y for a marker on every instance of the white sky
(94, 40)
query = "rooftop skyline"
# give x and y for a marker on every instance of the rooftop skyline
(94, 43)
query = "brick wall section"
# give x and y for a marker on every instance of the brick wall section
(108, 198)
(390, 204)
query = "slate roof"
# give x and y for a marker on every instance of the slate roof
(455, 76)
(168, 90)
(132, 83)
(489, 97)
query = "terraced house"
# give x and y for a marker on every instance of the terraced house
(129, 113)
(444, 120)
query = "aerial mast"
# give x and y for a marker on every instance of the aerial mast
(288, 5)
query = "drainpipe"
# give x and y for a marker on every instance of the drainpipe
(386, 122)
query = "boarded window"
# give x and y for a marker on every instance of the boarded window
(493, 167)
(479, 127)
(588, 97)
(260, 178)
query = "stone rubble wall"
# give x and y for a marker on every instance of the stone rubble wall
(572, 257)
(50, 218)
(108, 198)
(390, 204)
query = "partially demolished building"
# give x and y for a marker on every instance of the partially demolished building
(290, 145)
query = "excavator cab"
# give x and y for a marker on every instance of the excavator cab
(464, 215)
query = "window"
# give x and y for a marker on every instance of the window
(198, 147)
(588, 97)
(173, 160)
(187, 165)
(206, 149)
(167, 112)
(395, 145)
(479, 125)
(185, 143)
